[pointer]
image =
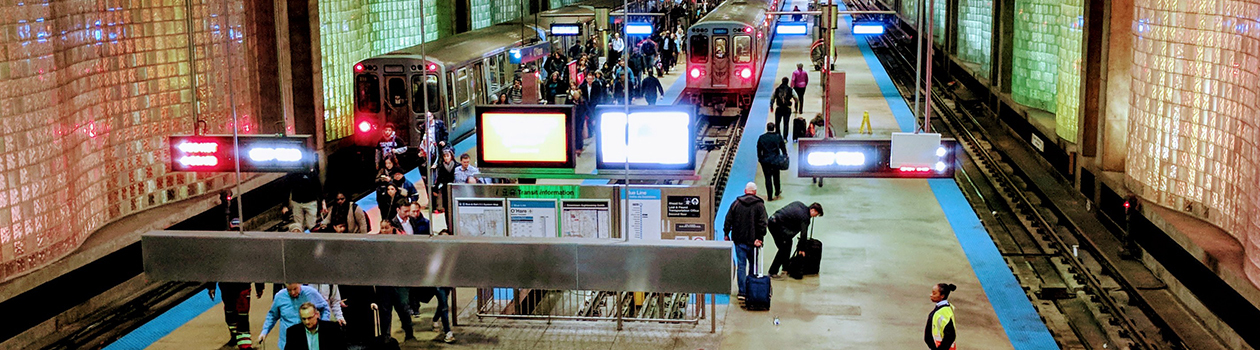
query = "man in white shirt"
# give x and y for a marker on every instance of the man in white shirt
(403, 221)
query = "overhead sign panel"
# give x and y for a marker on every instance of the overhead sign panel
(791, 28)
(566, 29)
(651, 137)
(525, 136)
(257, 153)
(870, 158)
(639, 29)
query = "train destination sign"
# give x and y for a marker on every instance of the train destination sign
(257, 153)
(871, 158)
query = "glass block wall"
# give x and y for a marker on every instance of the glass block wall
(1035, 62)
(1193, 139)
(939, 9)
(505, 10)
(909, 11)
(1068, 91)
(479, 10)
(352, 30)
(975, 34)
(89, 91)
(555, 4)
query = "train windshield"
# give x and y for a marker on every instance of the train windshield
(397, 89)
(719, 48)
(367, 93)
(743, 49)
(699, 49)
(430, 85)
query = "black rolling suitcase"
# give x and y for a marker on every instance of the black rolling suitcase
(382, 341)
(799, 128)
(758, 289)
(801, 265)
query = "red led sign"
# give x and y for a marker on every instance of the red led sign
(215, 153)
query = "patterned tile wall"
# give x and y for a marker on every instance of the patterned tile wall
(480, 12)
(939, 8)
(909, 12)
(505, 10)
(88, 92)
(975, 33)
(352, 30)
(1068, 92)
(1035, 63)
(1194, 144)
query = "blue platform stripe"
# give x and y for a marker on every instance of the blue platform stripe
(1019, 319)
(165, 323)
(675, 89)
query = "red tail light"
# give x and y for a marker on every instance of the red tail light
(365, 126)
(358, 68)
(745, 73)
(695, 73)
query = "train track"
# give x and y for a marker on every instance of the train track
(1085, 300)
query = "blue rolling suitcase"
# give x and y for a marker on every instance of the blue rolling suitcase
(758, 289)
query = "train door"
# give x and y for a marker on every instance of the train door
(397, 108)
(478, 83)
(496, 76)
(460, 120)
(426, 84)
(367, 108)
(721, 61)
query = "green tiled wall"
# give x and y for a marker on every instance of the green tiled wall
(480, 12)
(975, 33)
(1068, 97)
(505, 10)
(909, 11)
(1035, 66)
(352, 30)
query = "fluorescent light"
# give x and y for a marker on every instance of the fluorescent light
(639, 29)
(267, 154)
(868, 29)
(940, 166)
(850, 158)
(791, 29)
(821, 158)
(940, 152)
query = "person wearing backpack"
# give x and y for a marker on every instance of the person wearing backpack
(771, 152)
(783, 105)
(354, 217)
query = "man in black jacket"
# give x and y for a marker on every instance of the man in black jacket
(745, 226)
(783, 106)
(769, 147)
(787, 223)
(314, 334)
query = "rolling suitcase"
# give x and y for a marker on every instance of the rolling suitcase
(758, 289)
(799, 128)
(382, 341)
(799, 266)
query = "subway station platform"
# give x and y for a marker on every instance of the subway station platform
(886, 242)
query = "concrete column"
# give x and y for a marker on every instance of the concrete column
(1096, 27)
(265, 74)
(1003, 43)
(1116, 85)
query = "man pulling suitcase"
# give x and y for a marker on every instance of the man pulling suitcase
(786, 223)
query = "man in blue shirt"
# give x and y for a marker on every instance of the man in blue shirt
(465, 170)
(284, 308)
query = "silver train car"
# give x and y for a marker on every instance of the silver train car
(726, 51)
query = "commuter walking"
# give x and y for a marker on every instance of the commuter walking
(413, 222)
(314, 333)
(236, 310)
(389, 200)
(939, 334)
(445, 176)
(786, 223)
(800, 80)
(396, 299)
(357, 304)
(617, 45)
(405, 187)
(442, 317)
(304, 200)
(465, 170)
(783, 98)
(347, 212)
(332, 294)
(390, 145)
(770, 147)
(284, 309)
(745, 226)
(651, 87)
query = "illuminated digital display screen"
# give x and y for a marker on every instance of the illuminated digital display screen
(560, 29)
(639, 29)
(660, 137)
(720, 31)
(215, 153)
(868, 28)
(791, 29)
(524, 136)
(868, 158)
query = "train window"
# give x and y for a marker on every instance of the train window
(719, 47)
(492, 71)
(461, 87)
(431, 85)
(699, 49)
(396, 87)
(367, 93)
(743, 49)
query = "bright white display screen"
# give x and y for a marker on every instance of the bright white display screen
(868, 29)
(565, 29)
(639, 29)
(524, 137)
(662, 137)
(791, 29)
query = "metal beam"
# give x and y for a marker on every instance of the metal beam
(394, 260)
(816, 13)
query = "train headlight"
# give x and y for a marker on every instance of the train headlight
(695, 73)
(745, 73)
(365, 126)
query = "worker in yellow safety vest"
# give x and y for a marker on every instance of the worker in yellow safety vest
(939, 333)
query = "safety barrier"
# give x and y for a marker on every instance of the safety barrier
(590, 305)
